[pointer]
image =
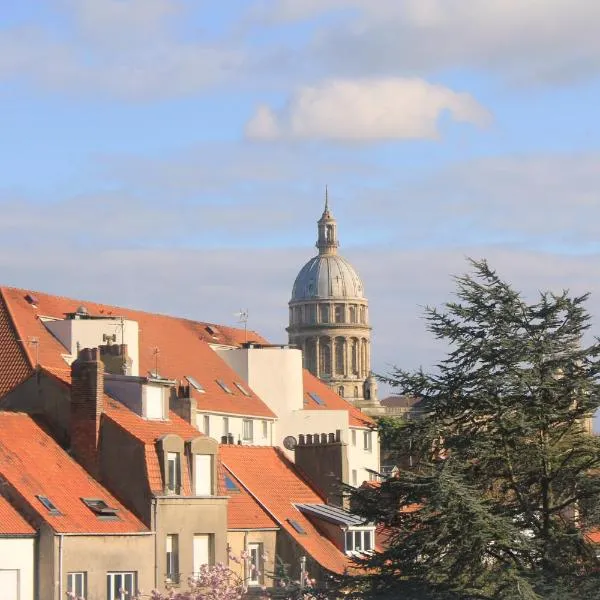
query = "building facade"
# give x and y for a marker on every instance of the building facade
(329, 320)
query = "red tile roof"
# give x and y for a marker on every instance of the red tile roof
(145, 431)
(14, 361)
(332, 401)
(11, 522)
(243, 511)
(274, 482)
(34, 464)
(184, 347)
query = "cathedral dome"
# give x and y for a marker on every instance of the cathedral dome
(327, 276)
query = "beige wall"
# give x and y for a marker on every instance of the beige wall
(96, 556)
(239, 540)
(186, 517)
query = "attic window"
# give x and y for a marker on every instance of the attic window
(225, 387)
(317, 399)
(31, 299)
(242, 389)
(297, 526)
(194, 383)
(212, 330)
(230, 484)
(49, 505)
(100, 508)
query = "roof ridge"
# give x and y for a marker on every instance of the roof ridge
(146, 312)
(24, 348)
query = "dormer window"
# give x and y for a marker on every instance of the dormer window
(359, 540)
(173, 472)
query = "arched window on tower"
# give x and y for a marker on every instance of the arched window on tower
(339, 356)
(329, 233)
(325, 355)
(354, 356)
(352, 313)
(363, 314)
(341, 391)
(310, 358)
(324, 309)
(339, 313)
(356, 391)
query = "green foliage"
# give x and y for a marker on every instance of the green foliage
(506, 477)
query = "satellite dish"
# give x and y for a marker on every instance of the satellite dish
(290, 443)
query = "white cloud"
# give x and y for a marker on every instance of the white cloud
(366, 109)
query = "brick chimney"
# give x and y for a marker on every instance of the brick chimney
(87, 394)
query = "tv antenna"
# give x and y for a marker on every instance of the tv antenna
(242, 316)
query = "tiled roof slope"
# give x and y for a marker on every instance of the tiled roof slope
(11, 522)
(34, 464)
(332, 401)
(273, 481)
(243, 511)
(145, 431)
(13, 358)
(184, 347)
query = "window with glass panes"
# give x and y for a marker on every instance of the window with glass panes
(172, 557)
(360, 540)
(121, 585)
(76, 584)
(173, 472)
(247, 430)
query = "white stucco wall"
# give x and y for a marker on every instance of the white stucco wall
(89, 332)
(17, 554)
(216, 428)
(361, 459)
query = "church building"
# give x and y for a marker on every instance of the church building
(329, 320)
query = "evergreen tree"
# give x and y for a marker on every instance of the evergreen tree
(506, 481)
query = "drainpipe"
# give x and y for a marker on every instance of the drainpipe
(246, 573)
(60, 565)
(155, 509)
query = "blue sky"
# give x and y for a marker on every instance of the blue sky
(172, 155)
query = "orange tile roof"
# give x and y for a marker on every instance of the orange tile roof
(274, 482)
(243, 511)
(14, 361)
(11, 522)
(184, 347)
(145, 431)
(34, 464)
(357, 418)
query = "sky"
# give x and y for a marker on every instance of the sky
(172, 155)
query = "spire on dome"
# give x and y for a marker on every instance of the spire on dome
(327, 242)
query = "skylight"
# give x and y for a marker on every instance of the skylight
(194, 383)
(297, 526)
(224, 386)
(318, 400)
(230, 484)
(99, 507)
(48, 505)
(241, 388)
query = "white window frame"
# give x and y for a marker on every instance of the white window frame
(172, 558)
(225, 425)
(199, 478)
(353, 435)
(210, 539)
(255, 574)
(75, 578)
(354, 477)
(350, 539)
(368, 441)
(111, 577)
(248, 430)
(206, 425)
(265, 429)
(173, 486)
